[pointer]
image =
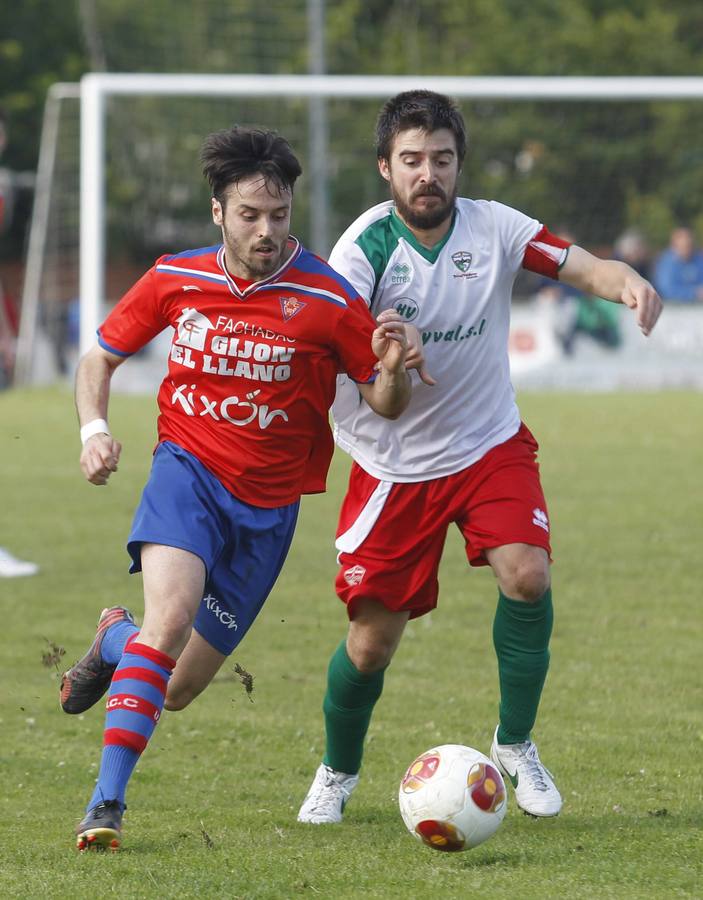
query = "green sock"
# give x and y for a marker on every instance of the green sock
(521, 634)
(348, 704)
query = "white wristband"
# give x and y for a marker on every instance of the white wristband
(97, 426)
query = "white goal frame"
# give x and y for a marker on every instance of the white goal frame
(96, 88)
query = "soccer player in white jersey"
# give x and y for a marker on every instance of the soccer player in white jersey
(460, 454)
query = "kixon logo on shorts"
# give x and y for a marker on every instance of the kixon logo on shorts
(226, 618)
(354, 575)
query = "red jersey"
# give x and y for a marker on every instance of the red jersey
(251, 373)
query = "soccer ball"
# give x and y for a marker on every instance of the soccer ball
(452, 798)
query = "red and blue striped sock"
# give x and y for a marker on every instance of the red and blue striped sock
(115, 639)
(134, 704)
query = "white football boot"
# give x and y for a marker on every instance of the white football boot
(535, 791)
(327, 797)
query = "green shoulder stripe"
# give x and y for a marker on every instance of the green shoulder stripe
(379, 240)
(377, 243)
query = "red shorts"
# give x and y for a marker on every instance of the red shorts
(391, 536)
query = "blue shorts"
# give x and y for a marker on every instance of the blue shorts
(243, 547)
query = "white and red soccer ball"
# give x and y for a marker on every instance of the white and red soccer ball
(452, 798)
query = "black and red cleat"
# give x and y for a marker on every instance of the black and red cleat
(101, 828)
(88, 679)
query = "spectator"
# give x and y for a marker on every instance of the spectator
(633, 248)
(678, 274)
(578, 314)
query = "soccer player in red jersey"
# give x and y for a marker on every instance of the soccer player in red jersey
(261, 327)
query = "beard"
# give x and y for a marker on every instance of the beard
(246, 259)
(430, 218)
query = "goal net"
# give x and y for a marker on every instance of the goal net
(591, 157)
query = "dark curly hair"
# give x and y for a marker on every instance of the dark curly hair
(233, 154)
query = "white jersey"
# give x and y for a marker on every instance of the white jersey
(458, 297)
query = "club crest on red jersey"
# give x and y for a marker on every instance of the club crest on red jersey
(290, 306)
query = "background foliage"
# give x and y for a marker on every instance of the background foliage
(645, 164)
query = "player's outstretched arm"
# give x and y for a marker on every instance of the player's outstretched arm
(101, 452)
(390, 392)
(613, 280)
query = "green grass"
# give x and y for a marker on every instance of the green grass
(620, 723)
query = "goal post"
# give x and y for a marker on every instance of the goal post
(97, 88)
(593, 155)
(49, 154)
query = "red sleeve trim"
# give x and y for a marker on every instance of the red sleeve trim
(546, 253)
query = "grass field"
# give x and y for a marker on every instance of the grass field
(212, 806)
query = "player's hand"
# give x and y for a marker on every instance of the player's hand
(99, 458)
(389, 341)
(640, 296)
(414, 357)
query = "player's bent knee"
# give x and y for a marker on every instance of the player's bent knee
(169, 635)
(374, 634)
(369, 658)
(530, 583)
(528, 580)
(177, 700)
(174, 706)
(533, 593)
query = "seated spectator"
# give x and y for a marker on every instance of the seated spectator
(678, 274)
(576, 315)
(632, 248)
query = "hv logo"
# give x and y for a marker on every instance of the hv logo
(407, 308)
